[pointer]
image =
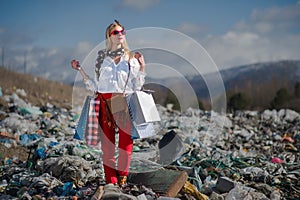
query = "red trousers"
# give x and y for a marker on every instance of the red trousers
(113, 166)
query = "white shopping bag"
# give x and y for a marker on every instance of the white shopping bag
(142, 108)
(142, 131)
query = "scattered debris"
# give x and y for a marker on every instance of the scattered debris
(195, 155)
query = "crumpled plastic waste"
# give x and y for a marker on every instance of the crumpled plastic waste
(28, 138)
(252, 155)
(277, 160)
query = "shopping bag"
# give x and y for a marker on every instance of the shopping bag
(81, 126)
(142, 107)
(171, 147)
(117, 103)
(142, 131)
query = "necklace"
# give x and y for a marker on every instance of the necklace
(115, 53)
(102, 54)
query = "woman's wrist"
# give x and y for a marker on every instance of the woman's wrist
(84, 75)
(85, 79)
(142, 68)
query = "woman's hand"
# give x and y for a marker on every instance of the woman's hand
(141, 60)
(75, 65)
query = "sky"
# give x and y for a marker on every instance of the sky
(41, 37)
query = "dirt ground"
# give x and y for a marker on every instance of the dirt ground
(39, 91)
(19, 152)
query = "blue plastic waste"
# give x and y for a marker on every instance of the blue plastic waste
(68, 189)
(41, 152)
(52, 144)
(27, 138)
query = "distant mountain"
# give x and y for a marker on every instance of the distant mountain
(257, 74)
(259, 81)
(262, 73)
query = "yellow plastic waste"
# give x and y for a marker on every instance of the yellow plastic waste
(192, 190)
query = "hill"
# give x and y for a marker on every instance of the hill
(39, 91)
(260, 82)
(258, 74)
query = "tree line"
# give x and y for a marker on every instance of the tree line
(272, 94)
(284, 97)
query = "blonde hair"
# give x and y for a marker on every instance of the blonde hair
(109, 42)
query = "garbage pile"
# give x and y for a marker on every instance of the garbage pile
(195, 155)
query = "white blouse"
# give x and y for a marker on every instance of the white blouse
(113, 77)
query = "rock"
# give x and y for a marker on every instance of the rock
(216, 196)
(275, 195)
(224, 185)
(239, 192)
(288, 115)
(112, 192)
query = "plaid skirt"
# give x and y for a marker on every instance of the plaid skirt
(99, 115)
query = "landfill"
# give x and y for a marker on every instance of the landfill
(240, 155)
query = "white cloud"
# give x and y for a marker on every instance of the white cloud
(274, 20)
(268, 35)
(235, 48)
(82, 49)
(290, 12)
(189, 28)
(283, 19)
(243, 38)
(140, 4)
(53, 63)
(263, 27)
(238, 48)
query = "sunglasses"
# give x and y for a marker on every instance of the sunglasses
(115, 32)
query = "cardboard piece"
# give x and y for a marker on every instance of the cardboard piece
(163, 181)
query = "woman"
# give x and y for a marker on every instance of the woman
(118, 71)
